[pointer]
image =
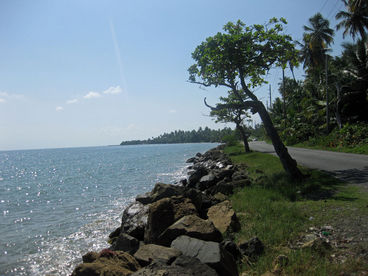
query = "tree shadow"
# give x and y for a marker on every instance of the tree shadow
(354, 176)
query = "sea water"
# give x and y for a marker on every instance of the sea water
(58, 204)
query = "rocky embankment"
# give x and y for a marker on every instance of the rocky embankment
(183, 229)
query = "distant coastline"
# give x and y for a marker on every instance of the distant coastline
(202, 135)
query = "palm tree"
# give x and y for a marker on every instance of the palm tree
(317, 37)
(355, 19)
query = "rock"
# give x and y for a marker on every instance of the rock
(252, 248)
(182, 266)
(115, 233)
(196, 175)
(165, 212)
(192, 160)
(144, 198)
(220, 197)
(206, 181)
(125, 243)
(160, 191)
(239, 175)
(191, 226)
(107, 263)
(223, 217)
(319, 246)
(207, 252)
(227, 188)
(151, 252)
(90, 257)
(134, 220)
(194, 266)
(232, 248)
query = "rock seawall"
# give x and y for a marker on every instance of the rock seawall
(178, 229)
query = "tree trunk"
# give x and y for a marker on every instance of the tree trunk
(289, 164)
(244, 137)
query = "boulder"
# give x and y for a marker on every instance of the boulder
(160, 191)
(125, 242)
(134, 220)
(206, 181)
(207, 252)
(194, 266)
(223, 217)
(108, 263)
(232, 248)
(227, 187)
(252, 248)
(115, 233)
(191, 226)
(165, 212)
(149, 253)
(196, 175)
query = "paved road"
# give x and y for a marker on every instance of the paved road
(346, 166)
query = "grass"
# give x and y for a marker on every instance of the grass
(277, 210)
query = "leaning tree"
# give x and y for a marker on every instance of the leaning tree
(239, 59)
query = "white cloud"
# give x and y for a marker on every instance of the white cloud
(92, 95)
(113, 90)
(172, 111)
(2, 100)
(8, 96)
(59, 108)
(73, 101)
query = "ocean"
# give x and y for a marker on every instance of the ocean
(58, 204)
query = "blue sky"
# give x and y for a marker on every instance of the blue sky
(90, 73)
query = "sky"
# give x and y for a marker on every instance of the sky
(91, 73)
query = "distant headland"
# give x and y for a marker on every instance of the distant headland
(201, 135)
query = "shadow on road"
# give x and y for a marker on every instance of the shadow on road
(356, 176)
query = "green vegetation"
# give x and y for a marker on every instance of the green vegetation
(280, 212)
(328, 109)
(239, 59)
(181, 136)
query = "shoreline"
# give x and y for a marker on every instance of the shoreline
(169, 216)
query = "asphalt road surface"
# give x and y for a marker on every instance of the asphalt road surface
(345, 166)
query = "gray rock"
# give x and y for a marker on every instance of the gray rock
(125, 242)
(182, 266)
(252, 248)
(191, 226)
(149, 253)
(206, 181)
(134, 220)
(207, 252)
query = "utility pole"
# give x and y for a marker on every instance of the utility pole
(270, 97)
(327, 103)
(284, 96)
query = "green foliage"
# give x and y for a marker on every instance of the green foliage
(242, 51)
(351, 138)
(230, 140)
(181, 136)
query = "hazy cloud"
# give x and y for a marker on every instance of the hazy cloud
(92, 95)
(59, 108)
(4, 96)
(73, 101)
(172, 111)
(113, 90)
